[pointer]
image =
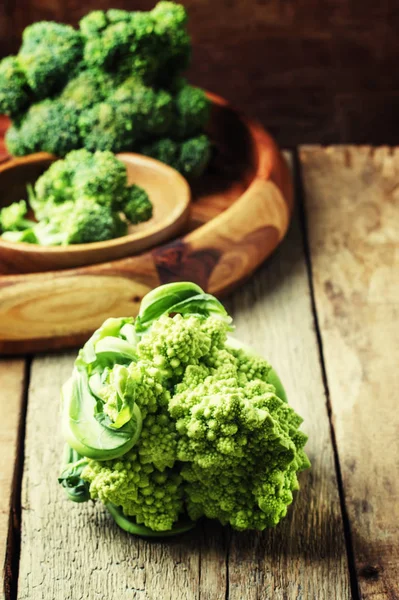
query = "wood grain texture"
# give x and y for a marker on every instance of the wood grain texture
(312, 71)
(80, 553)
(232, 240)
(170, 197)
(12, 382)
(352, 206)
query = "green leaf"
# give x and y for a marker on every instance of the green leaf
(89, 435)
(159, 301)
(129, 524)
(110, 328)
(181, 297)
(75, 487)
(119, 397)
(113, 348)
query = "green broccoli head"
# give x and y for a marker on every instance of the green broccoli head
(48, 126)
(49, 55)
(15, 94)
(137, 206)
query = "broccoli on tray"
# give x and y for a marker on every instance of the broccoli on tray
(113, 84)
(81, 199)
(168, 419)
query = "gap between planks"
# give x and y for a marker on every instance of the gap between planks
(79, 553)
(14, 376)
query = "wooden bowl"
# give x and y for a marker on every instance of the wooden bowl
(240, 212)
(168, 190)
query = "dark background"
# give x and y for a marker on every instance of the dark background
(310, 70)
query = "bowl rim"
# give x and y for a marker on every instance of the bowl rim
(140, 159)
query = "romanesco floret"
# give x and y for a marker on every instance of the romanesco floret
(153, 497)
(174, 343)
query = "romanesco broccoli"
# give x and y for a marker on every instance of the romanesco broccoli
(192, 422)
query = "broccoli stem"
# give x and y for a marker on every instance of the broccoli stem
(128, 524)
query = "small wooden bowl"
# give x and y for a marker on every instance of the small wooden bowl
(168, 190)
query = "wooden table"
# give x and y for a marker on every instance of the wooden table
(324, 310)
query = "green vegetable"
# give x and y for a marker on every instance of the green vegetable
(48, 126)
(114, 84)
(28, 236)
(81, 199)
(12, 218)
(190, 157)
(49, 53)
(70, 478)
(137, 206)
(15, 94)
(216, 436)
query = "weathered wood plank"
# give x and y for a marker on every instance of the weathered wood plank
(79, 553)
(353, 217)
(12, 382)
(304, 558)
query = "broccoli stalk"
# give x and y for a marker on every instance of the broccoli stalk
(217, 437)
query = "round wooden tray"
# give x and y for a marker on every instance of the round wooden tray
(240, 213)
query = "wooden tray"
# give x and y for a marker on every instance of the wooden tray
(240, 213)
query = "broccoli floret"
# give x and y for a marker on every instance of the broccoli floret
(86, 89)
(93, 23)
(80, 222)
(137, 205)
(49, 55)
(151, 109)
(15, 94)
(12, 218)
(171, 20)
(90, 222)
(48, 126)
(152, 45)
(194, 156)
(108, 126)
(164, 150)
(190, 157)
(106, 49)
(192, 109)
(100, 176)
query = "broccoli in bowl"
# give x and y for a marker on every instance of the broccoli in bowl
(167, 418)
(81, 199)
